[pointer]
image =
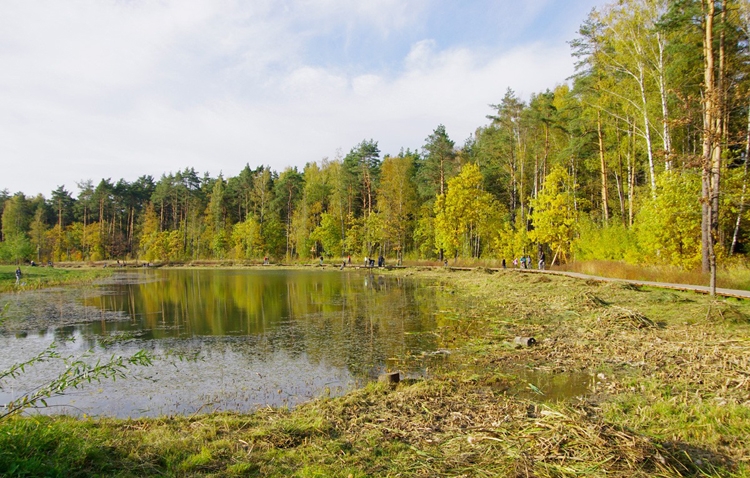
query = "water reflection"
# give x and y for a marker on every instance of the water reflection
(262, 336)
(541, 385)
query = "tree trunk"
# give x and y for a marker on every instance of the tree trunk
(735, 235)
(712, 125)
(605, 192)
(664, 105)
(647, 132)
(631, 180)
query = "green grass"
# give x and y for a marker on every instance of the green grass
(669, 397)
(41, 277)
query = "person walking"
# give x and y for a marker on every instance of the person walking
(18, 275)
(541, 261)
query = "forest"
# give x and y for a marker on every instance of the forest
(642, 157)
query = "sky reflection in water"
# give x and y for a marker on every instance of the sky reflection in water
(234, 339)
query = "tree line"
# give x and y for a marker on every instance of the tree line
(641, 157)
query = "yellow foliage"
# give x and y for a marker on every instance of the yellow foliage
(555, 217)
(466, 214)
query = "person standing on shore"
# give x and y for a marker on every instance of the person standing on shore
(18, 275)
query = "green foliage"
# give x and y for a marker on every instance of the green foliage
(273, 239)
(16, 217)
(634, 109)
(424, 232)
(16, 248)
(77, 372)
(246, 239)
(362, 167)
(668, 226)
(355, 236)
(612, 242)
(512, 242)
(554, 216)
(151, 247)
(328, 233)
(438, 164)
(465, 214)
(397, 199)
(374, 233)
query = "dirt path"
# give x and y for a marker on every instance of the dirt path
(740, 294)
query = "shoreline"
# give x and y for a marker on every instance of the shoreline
(667, 397)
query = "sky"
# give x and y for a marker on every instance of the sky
(93, 89)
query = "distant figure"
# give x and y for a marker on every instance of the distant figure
(321, 260)
(445, 263)
(515, 262)
(343, 264)
(18, 275)
(349, 260)
(265, 260)
(503, 263)
(523, 262)
(381, 261)
(367, 261)
(372, 263)
(49, 263)
(33, 264)
(541, 261)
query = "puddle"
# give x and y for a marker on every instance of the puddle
(540, 385)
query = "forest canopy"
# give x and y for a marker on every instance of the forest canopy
(640, 157)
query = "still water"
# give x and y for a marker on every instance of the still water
(223, 339)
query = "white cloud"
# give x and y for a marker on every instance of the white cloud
(98, 89)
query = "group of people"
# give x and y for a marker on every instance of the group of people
(525, 262)
(370, 262)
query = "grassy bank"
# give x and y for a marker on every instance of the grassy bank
(41, 277)
(668, 395)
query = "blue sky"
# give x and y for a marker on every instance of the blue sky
(93, 89)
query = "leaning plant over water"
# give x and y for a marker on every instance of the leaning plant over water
(77, 373)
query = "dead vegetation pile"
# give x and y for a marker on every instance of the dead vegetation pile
(464, 430)
(621, 317)
(677, 355)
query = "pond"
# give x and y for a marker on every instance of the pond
(234, 339)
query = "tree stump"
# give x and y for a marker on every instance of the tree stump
(525, 341)
(390, 378)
